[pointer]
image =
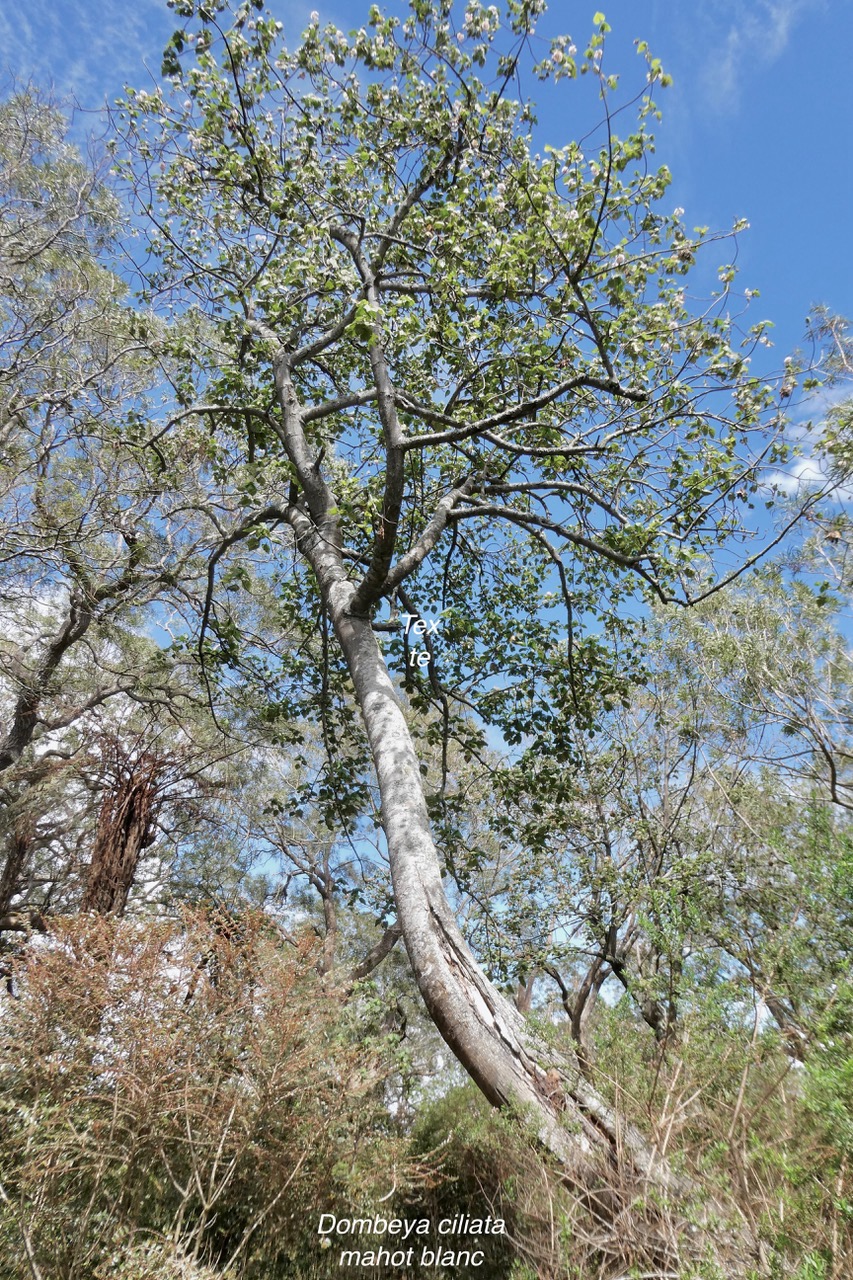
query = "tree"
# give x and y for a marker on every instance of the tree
(466, 384)
(72, 376)
(104, 541)
(696, 846)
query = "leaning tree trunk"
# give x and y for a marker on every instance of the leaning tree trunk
(487, 1034)
(489, 1037)
(485, 1031)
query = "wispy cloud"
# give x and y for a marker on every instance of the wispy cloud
(807, 476)
(757, 32)
(806, 433)
(82, 50)
(85, 51)
(802, 474)
(809, 420)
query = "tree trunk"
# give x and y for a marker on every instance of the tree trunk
(502, 1054)
(486, 1033)
(20, 843)
(125, 828)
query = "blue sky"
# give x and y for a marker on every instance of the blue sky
(756, 124)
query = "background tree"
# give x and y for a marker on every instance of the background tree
(105, 535)
(698, 840)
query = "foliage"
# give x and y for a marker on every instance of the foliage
(563, 419)
(190, 1087)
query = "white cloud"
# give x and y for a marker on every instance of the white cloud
(803, 473)
(806, 475)
(808, 424)
(83, 50)
(806, 432)
(748, 34)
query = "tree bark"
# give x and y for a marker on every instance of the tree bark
(20, 844)
(125, 828)
(25, 713)
(484, 1030)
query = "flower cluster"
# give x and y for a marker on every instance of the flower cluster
(480, 21)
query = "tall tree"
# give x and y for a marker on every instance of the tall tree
(469, 389)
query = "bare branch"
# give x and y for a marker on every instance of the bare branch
(407, 564)
(377, 953)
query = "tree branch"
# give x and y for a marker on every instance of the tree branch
(377, 953)
(407, 564)
(463, 431)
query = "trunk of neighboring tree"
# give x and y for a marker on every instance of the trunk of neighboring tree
(20, 843)
(524, 993)
(579, 1005)
(19, 919)
(26, 710)
(125, 828)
